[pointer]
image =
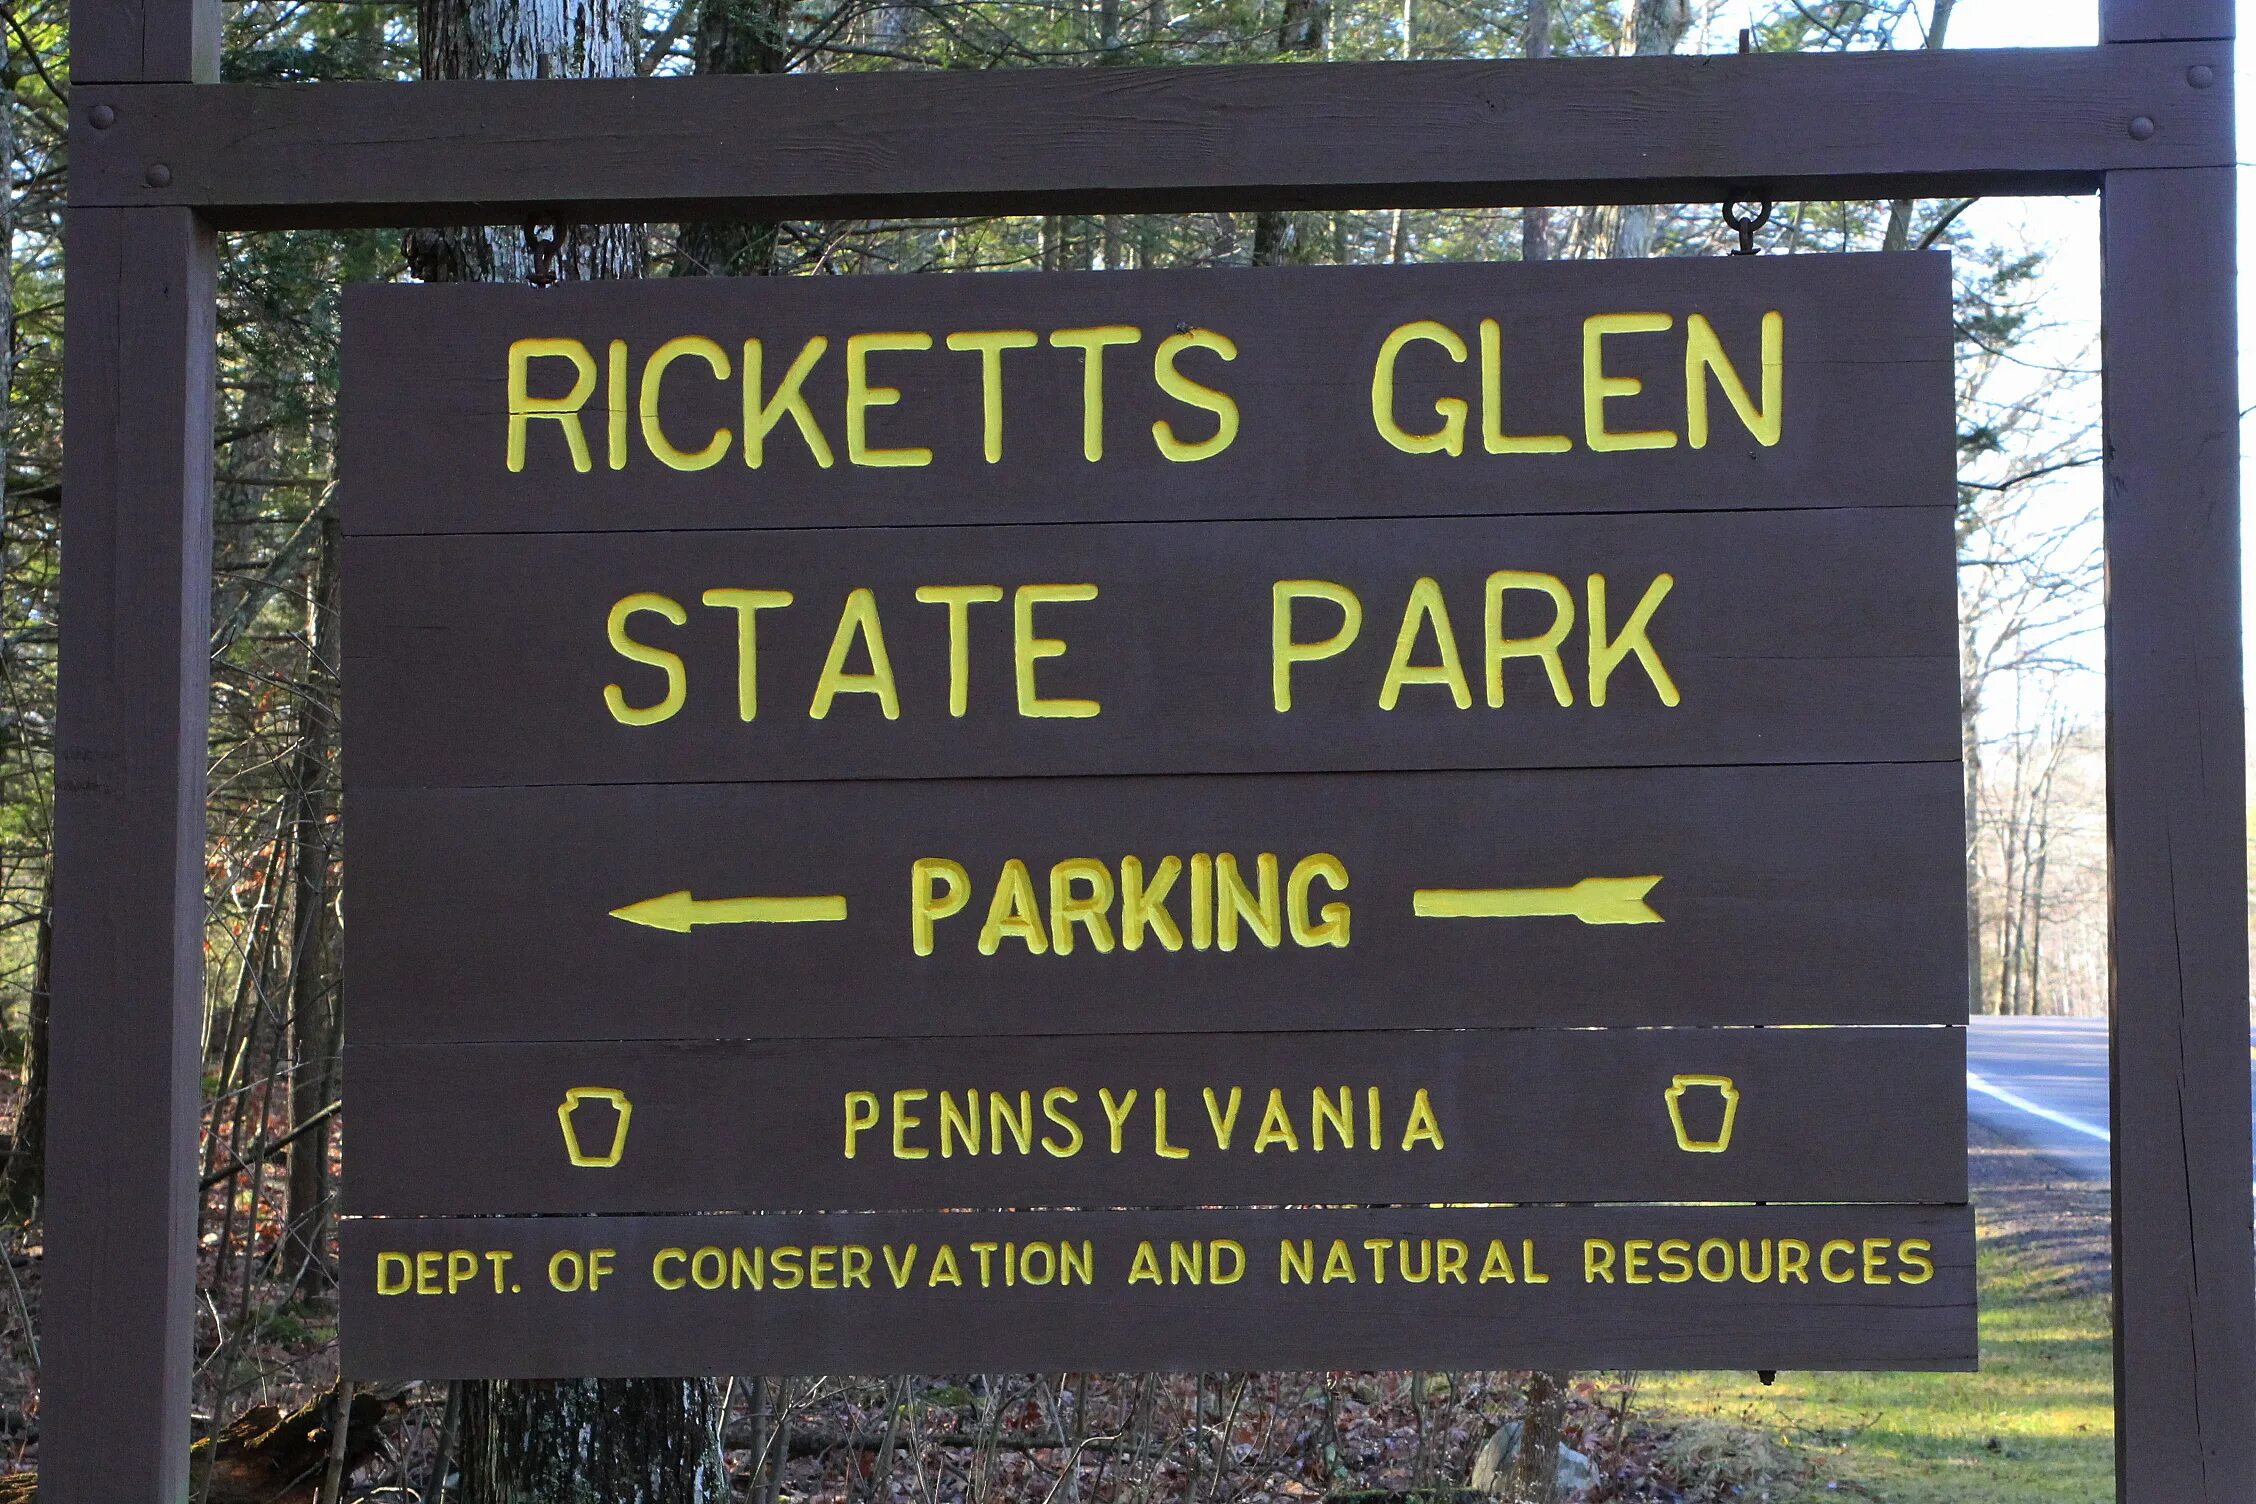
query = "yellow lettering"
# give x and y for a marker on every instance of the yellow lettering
(1225, 1123)
(1276, 1125)
(564, 411)
(1053, 1101)
(862, 1113)
(1116, 1111)
(1175, 384)
(1450, 437)
(1340, 1115)
(991, 343)
(1597, 386)
(653, 379)
(1001, 1119)
(1235, 901)
(677, 680)
(928, 904)
(1423, 1127)
(1544, 646)
(959, 599)
(959, 1124)
(745, 603)
(1425, 605)
(658, 1268)
(1088, 910)
(1014, 911)
(861, 397)
(1027, 649)
(1703, 352)
(1284, 652)
(1160, 1145)
(1493, 437)
(857, 621)
(1333, 926)
(790, 398)
(904, 1120)
(1092, 343)
(1144, 905)
(1606, 656)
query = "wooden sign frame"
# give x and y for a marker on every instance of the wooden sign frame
(163, 156)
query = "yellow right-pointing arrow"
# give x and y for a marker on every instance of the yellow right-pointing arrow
(1594, 900)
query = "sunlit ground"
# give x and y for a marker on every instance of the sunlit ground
(2035, 1426)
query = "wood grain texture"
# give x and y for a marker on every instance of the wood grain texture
(2185, 1348)
(1818, 636)
(1788, 895)
(141, 42)
(630, 1326)
(1525, 1115)
(1428, 134)
(1866, 344)
(2165, 20)
(123, 1096)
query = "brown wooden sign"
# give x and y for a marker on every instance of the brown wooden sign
(1136, 743)
(973, 1292)
(1736, 637)
(1076, 906)
(1306, 392)
(1165, 1120)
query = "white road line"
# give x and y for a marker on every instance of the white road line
(2014, 1099)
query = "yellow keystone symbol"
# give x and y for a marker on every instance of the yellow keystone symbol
(1594, 900)
(681, 913)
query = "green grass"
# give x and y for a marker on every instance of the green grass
(2035, 1426)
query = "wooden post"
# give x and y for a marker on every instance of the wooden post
(2185, 1316)
(129, 807)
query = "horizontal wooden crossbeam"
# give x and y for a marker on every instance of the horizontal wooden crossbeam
(1433, 134)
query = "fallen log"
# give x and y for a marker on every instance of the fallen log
(265, 1456)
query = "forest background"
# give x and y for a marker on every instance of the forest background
(278, 879)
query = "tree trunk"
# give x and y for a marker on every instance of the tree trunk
(1658, 27)
(23, 1180)
(735, 36)
(1898, 234)
(526, 39)
(1535, 221)
(1277, 236)
(1534, 1474)
(591, 1441)
(314, 972)
(572, 1441)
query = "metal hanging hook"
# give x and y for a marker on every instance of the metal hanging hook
(1746, 224)
(544, 249)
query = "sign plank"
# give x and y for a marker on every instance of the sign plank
(1800, 1287)
(1746, 637)
(1843, 1114)
(974, 399)
(1783, 895)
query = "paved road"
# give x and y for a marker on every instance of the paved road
(2043, 1081)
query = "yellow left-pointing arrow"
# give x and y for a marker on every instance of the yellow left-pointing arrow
(681, 913)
